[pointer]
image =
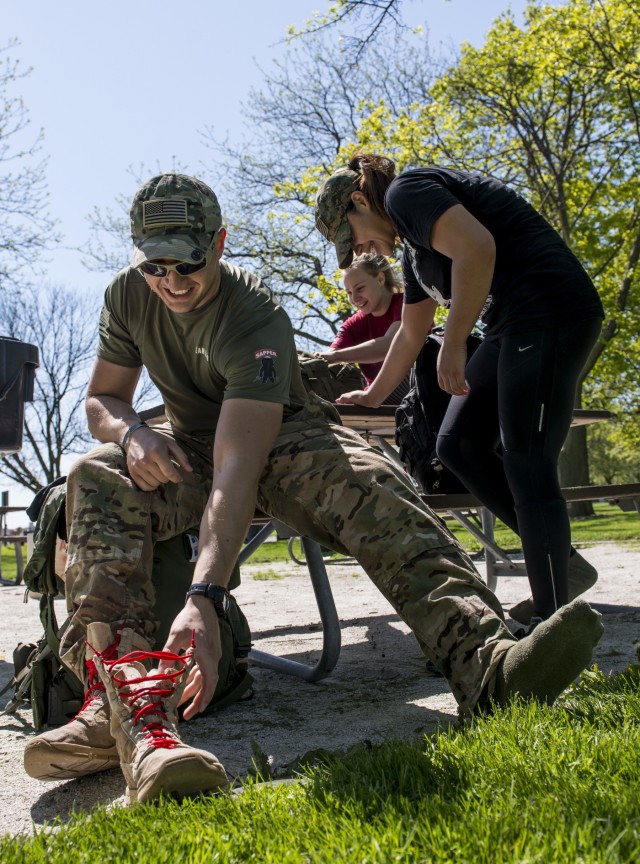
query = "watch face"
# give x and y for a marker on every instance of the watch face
(220, 598)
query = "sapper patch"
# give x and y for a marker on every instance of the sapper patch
(267, 372)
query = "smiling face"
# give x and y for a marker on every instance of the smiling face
(369, 231)
(186, 293)
(366, 292)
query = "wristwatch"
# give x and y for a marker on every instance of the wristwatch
(218, 595)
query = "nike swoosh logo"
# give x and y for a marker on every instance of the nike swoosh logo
(526, 348)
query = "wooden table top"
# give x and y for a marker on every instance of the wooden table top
(381, 421)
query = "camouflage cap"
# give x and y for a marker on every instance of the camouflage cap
(173, 216)
(332, 203)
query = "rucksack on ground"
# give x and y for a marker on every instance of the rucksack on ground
(329, 380)
(46, 684)
(419, 417)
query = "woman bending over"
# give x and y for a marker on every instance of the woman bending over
(473, 245)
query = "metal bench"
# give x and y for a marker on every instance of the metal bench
(479, 521)
(461, 507)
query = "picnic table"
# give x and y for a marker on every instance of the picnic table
(377, 425)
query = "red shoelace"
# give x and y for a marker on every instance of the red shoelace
(153, 696)
(94, 684)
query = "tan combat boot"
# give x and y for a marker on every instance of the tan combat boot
(144, 723)
(581, 576)
(85, 744)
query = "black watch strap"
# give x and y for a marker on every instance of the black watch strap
(218, 595)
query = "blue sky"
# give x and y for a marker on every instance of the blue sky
(127, 82)
(131, 82)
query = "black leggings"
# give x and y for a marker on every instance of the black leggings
(522, 392)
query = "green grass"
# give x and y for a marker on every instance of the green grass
(609, 524)
(8, 561)
(278, 550)
(270, 552)
(528, 784)
(266, 575)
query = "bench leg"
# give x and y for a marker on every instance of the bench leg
(492, 552)
(328, 616)
(490, 558)
(249, 548)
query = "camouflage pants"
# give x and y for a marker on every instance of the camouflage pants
(326, 483)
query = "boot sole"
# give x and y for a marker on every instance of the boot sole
(188, 776)
(44, 761)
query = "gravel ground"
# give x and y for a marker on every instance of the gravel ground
(379, 689)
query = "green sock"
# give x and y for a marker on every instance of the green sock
(543, 664)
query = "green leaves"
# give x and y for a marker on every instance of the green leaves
(550, 107)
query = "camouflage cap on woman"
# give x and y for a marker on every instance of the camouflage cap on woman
(173, 216)
(332, 203)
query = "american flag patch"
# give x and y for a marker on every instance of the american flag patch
(322, 228)
(164, 211)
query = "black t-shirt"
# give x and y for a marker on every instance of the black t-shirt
(537, 282)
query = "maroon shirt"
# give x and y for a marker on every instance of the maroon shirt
(361, 328)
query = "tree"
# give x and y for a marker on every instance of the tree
(63, 325)
(553, 109)
(378, 15)
(308, 111)
(26, 228)
(308, 108)
(614, 453)
(550, 107)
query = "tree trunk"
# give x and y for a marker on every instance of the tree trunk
(573, 464)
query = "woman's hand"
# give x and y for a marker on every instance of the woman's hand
(358, 397)
(451, 365)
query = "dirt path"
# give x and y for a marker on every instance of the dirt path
(380, 688)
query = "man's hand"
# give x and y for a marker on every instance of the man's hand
(154, 459)
(200, 620)
(451, 366)
(358, 397)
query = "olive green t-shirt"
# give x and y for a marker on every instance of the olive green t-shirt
(239, 345)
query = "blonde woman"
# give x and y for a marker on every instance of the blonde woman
(375, 290)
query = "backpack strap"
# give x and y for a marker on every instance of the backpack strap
(50, 623)
(25, 652)
(39, 572)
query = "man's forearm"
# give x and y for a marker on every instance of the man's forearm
(223, 529)
(245, 434)
(109, 418)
